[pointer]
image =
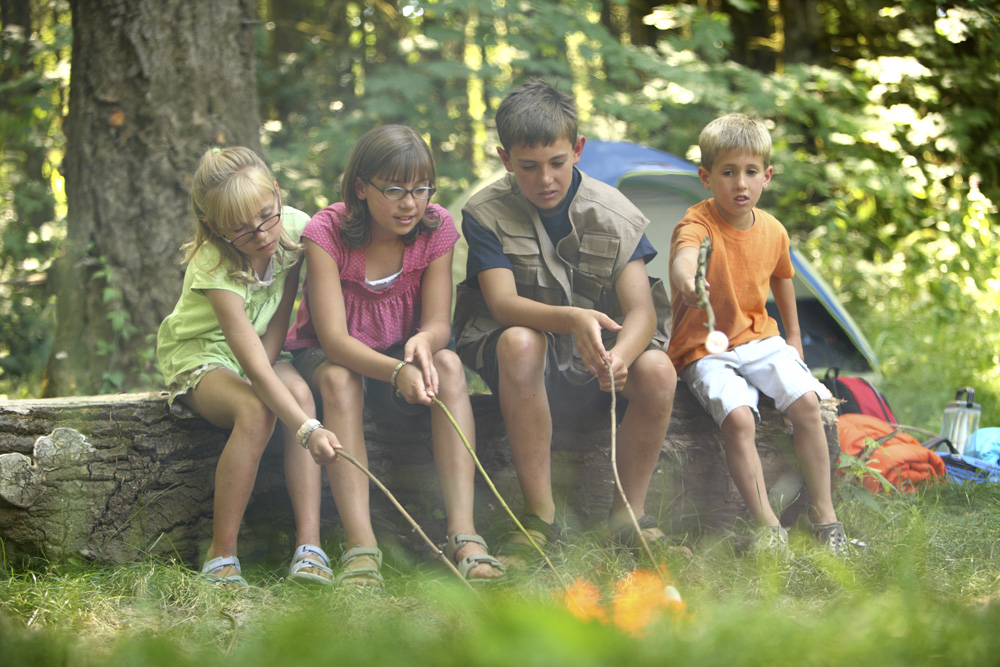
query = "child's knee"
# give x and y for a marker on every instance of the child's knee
(521, 345)
(302, 394)
(254, 416)
(338, 385)
(741, 422)
(449, 366)
(805, 409)
(451, 376)
(654, 374)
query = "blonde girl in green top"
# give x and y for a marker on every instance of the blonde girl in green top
(219, 353)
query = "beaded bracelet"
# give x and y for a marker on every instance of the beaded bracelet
(395, 372)
(306, 430)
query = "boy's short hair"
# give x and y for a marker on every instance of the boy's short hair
(536, 114)
(735, 131)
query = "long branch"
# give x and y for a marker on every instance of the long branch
(416, 526)
(493, 488)
(704, 252)
(614, 467)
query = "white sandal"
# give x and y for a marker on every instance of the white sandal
(316, 559)
(211, 567)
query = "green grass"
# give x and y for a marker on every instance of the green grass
(925, 589)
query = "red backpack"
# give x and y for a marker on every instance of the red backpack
(859, 396)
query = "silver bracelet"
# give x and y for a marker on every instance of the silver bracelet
(306, 430)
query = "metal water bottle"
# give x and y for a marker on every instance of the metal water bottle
(961, 419)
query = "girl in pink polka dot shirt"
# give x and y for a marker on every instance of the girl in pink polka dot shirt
(373, 326)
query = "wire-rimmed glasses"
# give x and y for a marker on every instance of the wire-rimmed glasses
(265, 225)
(395, 193)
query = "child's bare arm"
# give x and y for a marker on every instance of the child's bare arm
(682, 273)
(509, 309)
(250, 352)
(636, 299)
(435, 323)
(784, 297)
(274, 337)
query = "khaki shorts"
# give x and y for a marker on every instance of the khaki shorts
(724, 382)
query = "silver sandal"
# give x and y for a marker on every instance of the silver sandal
(308, 556)
(210, 569)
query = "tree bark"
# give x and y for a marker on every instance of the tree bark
(154, 83)
(114, 478)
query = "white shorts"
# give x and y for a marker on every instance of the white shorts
(724, 382)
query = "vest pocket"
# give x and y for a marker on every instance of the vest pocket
(598, 253)
(537, 284)
(517, 240)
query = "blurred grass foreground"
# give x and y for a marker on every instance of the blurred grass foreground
(921, 585)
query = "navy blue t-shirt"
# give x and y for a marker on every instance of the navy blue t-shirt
(486, 250)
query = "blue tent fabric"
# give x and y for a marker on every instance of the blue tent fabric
(650, 177)
(609, 161)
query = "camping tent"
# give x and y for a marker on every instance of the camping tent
(663, 186)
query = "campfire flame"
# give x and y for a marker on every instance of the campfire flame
(638, 599)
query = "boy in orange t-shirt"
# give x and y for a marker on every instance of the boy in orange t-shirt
(750, 255)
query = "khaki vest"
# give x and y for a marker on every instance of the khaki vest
(581, 271)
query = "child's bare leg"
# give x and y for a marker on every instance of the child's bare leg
(650, 392)
(342, 391)
(303, 477)
(738, 430)
(814, 455)
(455, 465)
(525, 407)
(228, 401)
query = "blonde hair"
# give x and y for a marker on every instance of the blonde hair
(393, 153)
(225, 193)
(735, 131)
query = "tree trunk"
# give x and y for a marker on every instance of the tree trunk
(154, 83)
(113, 478)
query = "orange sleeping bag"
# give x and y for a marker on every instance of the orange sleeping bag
(901, 459)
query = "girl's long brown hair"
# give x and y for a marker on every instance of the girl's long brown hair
(393, 153)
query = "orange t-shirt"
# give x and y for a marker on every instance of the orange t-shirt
(739, 274)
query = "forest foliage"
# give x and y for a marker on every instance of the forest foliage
(883, 114)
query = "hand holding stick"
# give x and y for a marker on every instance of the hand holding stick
(716, 341)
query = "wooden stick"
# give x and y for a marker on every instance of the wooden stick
(716, 341)
(704, 252)
(416, 527)
(493, 488)
(614, 468)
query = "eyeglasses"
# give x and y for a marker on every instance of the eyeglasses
(395, 192)
(267, 224)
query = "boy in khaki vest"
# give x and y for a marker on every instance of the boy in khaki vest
(556, 287)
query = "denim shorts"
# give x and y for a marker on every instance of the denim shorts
(724, 382)
(381, 398)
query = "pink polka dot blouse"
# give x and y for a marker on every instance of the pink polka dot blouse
(378, 318)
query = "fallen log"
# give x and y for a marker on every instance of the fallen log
(115, 478)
